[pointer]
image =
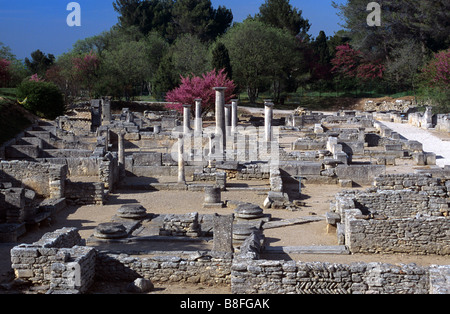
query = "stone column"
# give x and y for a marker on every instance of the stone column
(106, 111)
(234, 115)
(220, 115)
(186, 119)
(198, 116)
(181, 172)
(213, 197)
(211, 137)
(228, 120)
(121, 153)
(268, 116)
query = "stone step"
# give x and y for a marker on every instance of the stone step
(291, 222)
(315, 249)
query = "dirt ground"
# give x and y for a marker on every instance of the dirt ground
(316, 197)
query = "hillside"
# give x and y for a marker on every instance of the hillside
(13, 119)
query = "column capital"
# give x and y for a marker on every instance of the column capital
(220, 88)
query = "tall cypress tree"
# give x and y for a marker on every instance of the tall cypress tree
(221, 60)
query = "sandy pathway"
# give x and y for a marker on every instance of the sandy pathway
(431, 143)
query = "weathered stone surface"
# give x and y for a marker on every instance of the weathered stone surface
(248, 211)
(110, 230)
(223, 230)
(140, 285)
(132, 212)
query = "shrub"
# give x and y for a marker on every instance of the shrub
(41, 98)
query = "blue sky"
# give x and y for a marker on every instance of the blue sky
(27, 25)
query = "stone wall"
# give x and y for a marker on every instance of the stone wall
(282, 277)
(207, 268)
(57, 259)
(416, 182)
(60, 261)
(390, 218)
(45, 179)
(421, 235)
(85, 193)
(186, 225)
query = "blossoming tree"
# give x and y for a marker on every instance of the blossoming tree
(196, 87)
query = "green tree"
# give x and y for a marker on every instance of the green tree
(147, 15)
(221, 59)
(17, 70)
(198, 17)
(261, 55)
(281, 14)
(172, 18)
(405, 65)
(42, 98)
(321, 48)
(189, 56)
(127, 66)
(423, 21)
(165, 78)
(39, 62)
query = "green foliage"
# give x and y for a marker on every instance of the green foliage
(189, 55)
(39, 63)
(261, 56)
(42, 98)
(221, 59)
(174, 18)
(281, 14)
(165, 78)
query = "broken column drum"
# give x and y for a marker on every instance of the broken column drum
(243, 231)
(248, 211)
(110, 230)
(132, 212)
(220, 115)
(213, 197)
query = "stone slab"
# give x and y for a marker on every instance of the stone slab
(337, 249)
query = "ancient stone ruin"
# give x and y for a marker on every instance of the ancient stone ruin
(92, 156)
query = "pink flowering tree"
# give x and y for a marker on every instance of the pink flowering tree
(436, 81)
(351, 63)
(346, 61)
(5, 74)
(370, 71)
(437, 71)
(86, 69)
(196, 87)
(35, 78)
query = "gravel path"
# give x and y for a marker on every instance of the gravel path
(431, 143)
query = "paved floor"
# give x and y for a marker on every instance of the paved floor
(431, 143)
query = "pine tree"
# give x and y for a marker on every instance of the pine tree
(281, 14)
